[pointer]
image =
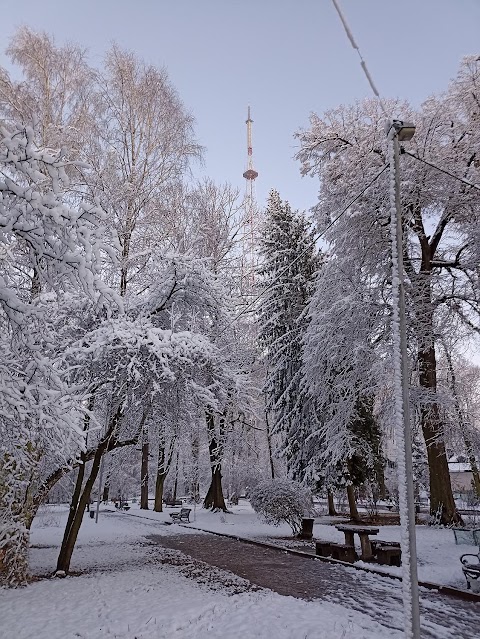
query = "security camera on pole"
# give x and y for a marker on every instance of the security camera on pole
(398, 131)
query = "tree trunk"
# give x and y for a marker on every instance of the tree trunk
(68, 544)
(17, 510)
(352, 503)
(175, 483)
(441, 497)
(214, 499)
(14, 556)
(77, 491)
(442, 504)
(106, 492)
(72, 512)
(162, 471)
(82, 498)
(125, 255)
(195, 484)
(144, 472)
(159, 484)
(269, 444)
(382, 489)
(164, 463)
(331, 504)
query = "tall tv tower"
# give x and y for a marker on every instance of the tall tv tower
(250, 176)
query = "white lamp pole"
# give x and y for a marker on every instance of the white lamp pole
(398, 131)
(99, 492)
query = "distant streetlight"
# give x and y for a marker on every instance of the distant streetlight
(398, 131)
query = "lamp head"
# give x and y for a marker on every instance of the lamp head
(405, 130)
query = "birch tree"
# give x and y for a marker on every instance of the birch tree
(55, 95)
(141, 151)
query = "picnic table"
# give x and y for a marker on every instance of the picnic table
(364, 533)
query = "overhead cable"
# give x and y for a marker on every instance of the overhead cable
(363, 64)
(438, 168)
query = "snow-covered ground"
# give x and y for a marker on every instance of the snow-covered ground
(124, 586)
(130, 589)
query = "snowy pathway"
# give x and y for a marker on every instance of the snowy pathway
(129, 587)
(286, 574)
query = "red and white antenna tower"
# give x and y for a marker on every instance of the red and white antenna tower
(250, 176)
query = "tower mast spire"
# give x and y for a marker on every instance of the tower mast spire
(250, 175)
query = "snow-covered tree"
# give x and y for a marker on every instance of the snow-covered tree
(341, 375)
(139, 152)
(54, 93)
(111, 361)
(459, 380)
(48, 250)
(288, 266)
(345, 149)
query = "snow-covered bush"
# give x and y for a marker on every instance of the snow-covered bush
(278, 500)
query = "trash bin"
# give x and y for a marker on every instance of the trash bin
(92, 514)
(307, 528)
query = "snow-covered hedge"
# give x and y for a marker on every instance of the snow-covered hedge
(278, 500)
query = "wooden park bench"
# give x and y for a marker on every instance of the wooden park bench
(387, 553)
(173, 502)
(471, 571)
(341, 552)
(391, 506)
(183, 515)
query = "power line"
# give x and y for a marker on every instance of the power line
(363, 64)
(308, 247)
(377, 95)
(434, 166)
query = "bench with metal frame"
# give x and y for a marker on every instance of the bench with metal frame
(471, 571)
(182, 515)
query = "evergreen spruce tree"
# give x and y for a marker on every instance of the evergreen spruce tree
(289, 263)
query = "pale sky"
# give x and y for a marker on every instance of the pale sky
(286, 58)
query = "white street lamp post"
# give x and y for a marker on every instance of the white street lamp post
(398, 131)
(99, 493)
